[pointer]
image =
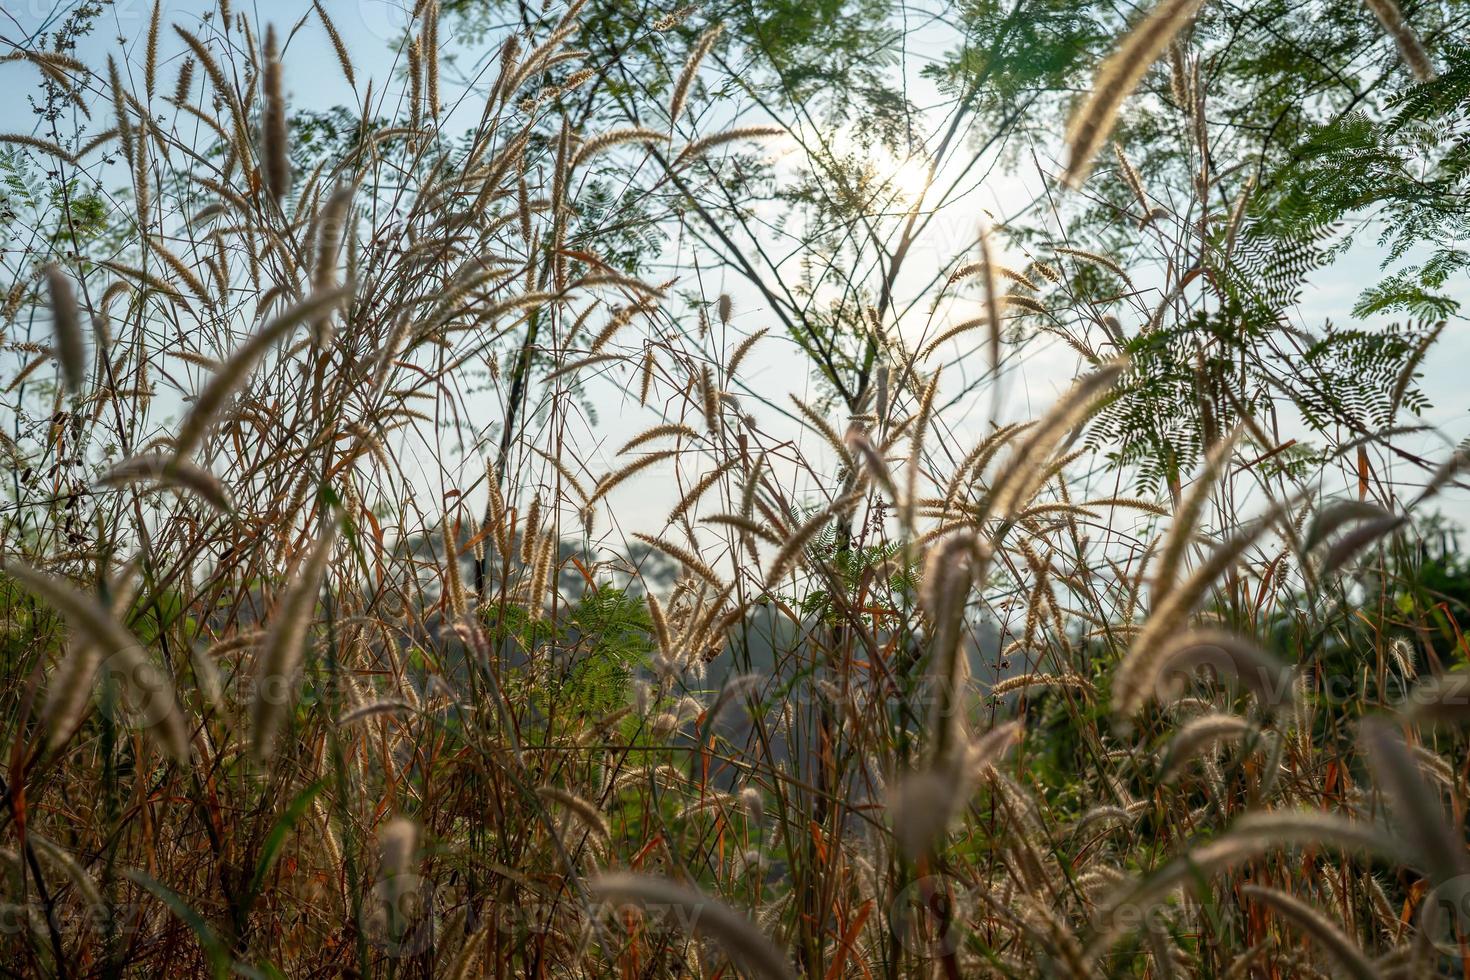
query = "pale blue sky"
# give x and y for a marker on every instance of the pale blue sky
(369, 26)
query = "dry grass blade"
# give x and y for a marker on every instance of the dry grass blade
(742, 941)
(1349, 956)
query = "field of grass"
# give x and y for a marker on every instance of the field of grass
(307, 671)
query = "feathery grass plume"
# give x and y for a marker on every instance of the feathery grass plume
(920, 432)
(704, 144)
(150, 69)
(1349, 956)
(1137, 675)
(621, 318)
(532, 528)
(710, 400)
(645, 384)
(606, 485)
(685, 557)
(675, 429)
(737, 358)
(211, 399)
(372, 709)
(1330, 519)
(1441, 847)
(922, 804)
(120, 109)
(881, 397)
(37, 143)
(691, 67)
(1253, 835)
(1187, 515)
(1411, 368)
(1160, 953)
(857, 441)
(1022, 682)
(946, 335)
(793, 551)
(343, 59)
(660, 625)
(824, 428)
(1096, 259)
(331, 227)
(747, 525)
(1415, 58)
(284, 645)
(167, 470)
(587, 813)
(975, 462)
(416, 82)
(1018, 482)
(989, 749)
(454, 591)
(1116, 79)
(67, 327)
(398, 844)
(61, 858)
(574, 366)
(571, 479)
(180, 269)
(951, 568)
(68, 692)
(1131, 178)
(1225, 654)
(735, 688)
(741, 940)
(615, 137)
(1104, 814)
(431, 49)
(701, 486)
(1372, 521)
(114, 643)
(1197, 735)
(273, 123)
